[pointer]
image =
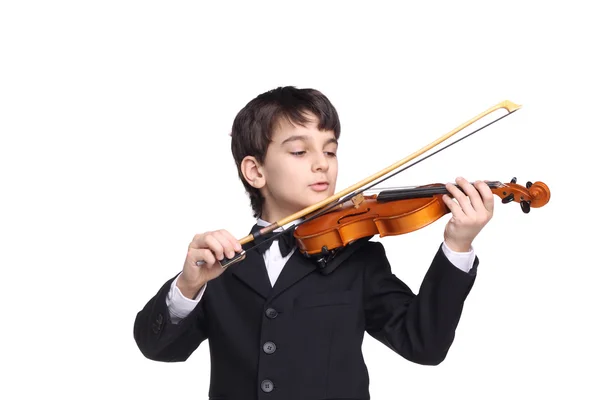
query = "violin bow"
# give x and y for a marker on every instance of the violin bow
(509, 106)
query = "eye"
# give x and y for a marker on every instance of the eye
(330, 153)
(297, 153)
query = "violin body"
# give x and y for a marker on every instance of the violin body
(397, 212)
(338, 228)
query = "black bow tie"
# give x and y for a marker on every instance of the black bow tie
(286, 241)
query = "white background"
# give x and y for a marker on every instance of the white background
(114, 152)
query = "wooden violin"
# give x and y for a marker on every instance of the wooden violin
(333, 223)
(396, 212)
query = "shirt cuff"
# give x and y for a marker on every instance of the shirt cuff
(180, 306)
(461, 260)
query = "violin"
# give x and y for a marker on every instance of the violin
(337, 221)
(396, 212)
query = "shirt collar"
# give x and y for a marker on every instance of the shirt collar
(262, 222)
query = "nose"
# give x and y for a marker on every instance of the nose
(320, 163)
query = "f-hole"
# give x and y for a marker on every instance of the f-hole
(353, 215)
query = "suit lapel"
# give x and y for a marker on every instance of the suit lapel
(296, 268)
(253, 272)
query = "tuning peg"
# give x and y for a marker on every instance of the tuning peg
(513, 180)
(528, 184)
(525, 206)
(508, 198)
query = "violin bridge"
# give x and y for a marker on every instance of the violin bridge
(358, 199)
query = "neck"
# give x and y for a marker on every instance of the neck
(269, 216)
(274, 214)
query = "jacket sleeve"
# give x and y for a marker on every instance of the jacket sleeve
(159, 338)
(420, 327)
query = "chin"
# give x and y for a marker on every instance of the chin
(310, 198)
(316, 197)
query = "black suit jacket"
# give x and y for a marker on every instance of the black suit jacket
(302, 338)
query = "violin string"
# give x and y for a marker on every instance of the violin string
(349, 196)
(355, 193)
(424, 191)
(435, 152)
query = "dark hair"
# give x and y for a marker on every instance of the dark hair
(253, 126)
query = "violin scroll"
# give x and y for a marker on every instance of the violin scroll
(531, 195)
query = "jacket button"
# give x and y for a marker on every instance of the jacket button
(269, 347)
(271, 313)
(266, 386)
(159, 319)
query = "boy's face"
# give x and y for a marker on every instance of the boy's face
(300, 169)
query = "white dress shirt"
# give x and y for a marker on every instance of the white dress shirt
(180, 306)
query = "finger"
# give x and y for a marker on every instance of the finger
(202, 257)
(487, 196)
(472, 193)
(214, 245)
(453, 206)
(234, 242)
(225, 244)
(198, 242)
(461, 198)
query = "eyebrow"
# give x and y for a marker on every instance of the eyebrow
(305, 139)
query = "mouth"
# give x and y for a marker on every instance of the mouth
(319, 186)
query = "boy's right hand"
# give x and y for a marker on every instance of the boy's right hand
(208, 247)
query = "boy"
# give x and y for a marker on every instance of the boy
(278, 325)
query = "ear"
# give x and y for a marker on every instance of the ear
(253, 172)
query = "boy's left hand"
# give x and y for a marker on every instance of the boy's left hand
(474, 209)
